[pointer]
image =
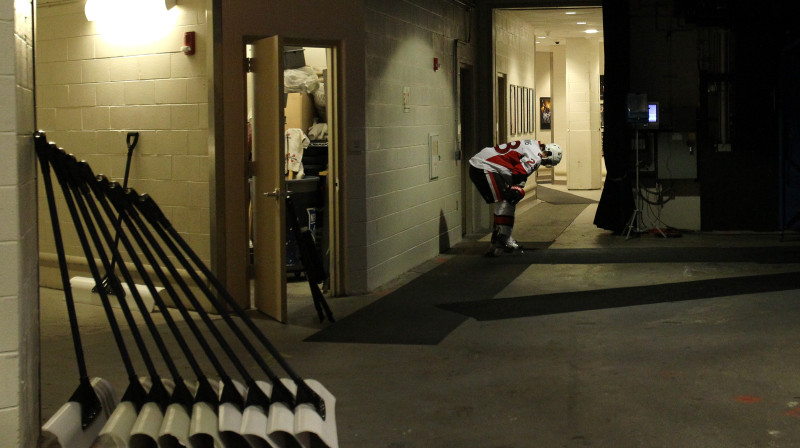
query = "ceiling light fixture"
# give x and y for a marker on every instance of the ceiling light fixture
(570, 13)
(591, 31)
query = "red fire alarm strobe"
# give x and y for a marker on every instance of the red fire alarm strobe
(435, 64)
(188, 43)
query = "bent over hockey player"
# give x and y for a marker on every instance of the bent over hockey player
(499, 173)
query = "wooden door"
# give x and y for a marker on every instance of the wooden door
(269, 221)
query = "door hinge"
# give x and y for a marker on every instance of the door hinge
(248, 65)
(251, 168)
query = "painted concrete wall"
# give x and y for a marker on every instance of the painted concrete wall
(19, 304)
(559, 106)
(583, 114)
(96, 81)
(409, 215)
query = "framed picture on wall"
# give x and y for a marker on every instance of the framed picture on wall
(512, 108)
(526, 93)
(531, 111)
(522, 129)
(545, 112)
(522, 117)
(528, 116)
(519, 110)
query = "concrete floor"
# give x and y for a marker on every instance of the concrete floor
(712, 372)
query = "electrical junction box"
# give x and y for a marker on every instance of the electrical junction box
(433, 151)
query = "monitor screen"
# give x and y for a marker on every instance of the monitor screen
(652, 112)
(652, 115)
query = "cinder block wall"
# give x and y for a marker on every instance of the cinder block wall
(408, 215)
(93, 86)
(19, 339)
(515, 56)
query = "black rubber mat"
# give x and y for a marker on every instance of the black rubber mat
(787, 254)
(426, 310)
(570, 302)
(554, 196)
(409, 314)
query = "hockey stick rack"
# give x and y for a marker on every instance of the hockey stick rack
(292, 411)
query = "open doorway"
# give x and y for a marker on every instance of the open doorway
(557, 54)
(304, 156)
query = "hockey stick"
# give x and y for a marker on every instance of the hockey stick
(85, 395)
(313, 401)
(110, 282)
(311, 261)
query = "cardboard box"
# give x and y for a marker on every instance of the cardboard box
(299, 111)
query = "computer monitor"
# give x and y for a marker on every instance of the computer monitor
(653, 115)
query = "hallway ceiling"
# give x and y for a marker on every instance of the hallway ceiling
(555, 25)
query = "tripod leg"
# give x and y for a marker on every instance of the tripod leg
(630, 224)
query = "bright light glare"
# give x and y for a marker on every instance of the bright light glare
(591, 31)
(94, 10)
(131, 21)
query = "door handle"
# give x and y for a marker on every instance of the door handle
(276, 193)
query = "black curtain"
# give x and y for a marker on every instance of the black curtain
(616, 201)
(789, 163)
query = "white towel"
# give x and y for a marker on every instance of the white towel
(296, 143)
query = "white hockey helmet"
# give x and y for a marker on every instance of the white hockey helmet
(555, 154)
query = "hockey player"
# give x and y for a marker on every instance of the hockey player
(499, 173)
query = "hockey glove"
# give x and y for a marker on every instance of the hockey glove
(514, 194)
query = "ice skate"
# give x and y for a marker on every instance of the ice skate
(505, 245)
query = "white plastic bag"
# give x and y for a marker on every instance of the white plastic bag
(318, 131)
(321, 101)
(302, 80)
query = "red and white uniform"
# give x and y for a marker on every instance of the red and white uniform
(513, 160)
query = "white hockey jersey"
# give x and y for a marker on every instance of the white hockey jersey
(296, 143)
(514, 159)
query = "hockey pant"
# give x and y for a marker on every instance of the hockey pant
(492, 187)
